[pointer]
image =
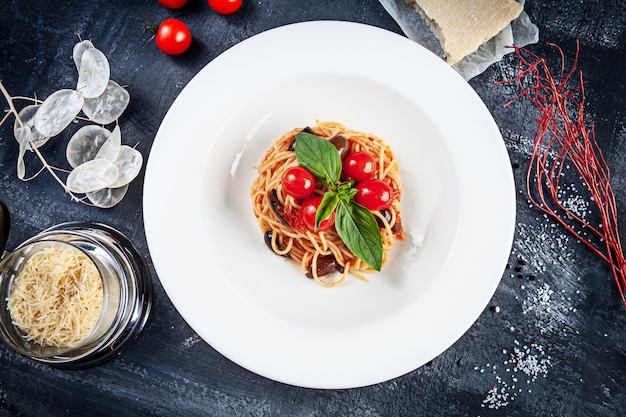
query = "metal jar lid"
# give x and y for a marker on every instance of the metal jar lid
(126, 272)
(5, 226)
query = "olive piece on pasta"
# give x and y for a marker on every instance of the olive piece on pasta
(292, 144)
(277, 206)
(326, 265)
(267, 237)
(341, 143)
(387, 215)
(397, 226)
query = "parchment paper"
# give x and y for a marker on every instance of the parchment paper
(521, 31)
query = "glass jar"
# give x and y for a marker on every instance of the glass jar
(126, 291)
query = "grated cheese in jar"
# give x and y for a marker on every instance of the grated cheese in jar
(56, 298)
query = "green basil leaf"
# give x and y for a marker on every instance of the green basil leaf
(358, 229)
(326, 207)
(345, 190)
(319, 156)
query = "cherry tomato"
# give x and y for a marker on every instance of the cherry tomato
(173, 4)
(359, 166)
(298, 182)
(374, 194)
(225, 6)
(307, 214)
(173, 37)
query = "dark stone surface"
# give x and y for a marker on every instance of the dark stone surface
(569, 319)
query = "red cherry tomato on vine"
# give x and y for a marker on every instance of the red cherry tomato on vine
(173, 37)
(173, 4)
(359, 166)
(307, 214)
(298, 182)
(374, 194)
(225, 6)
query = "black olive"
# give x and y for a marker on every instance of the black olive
(341, 143)
(397, 226)
(326, 265)
(386, 214)
(267, 237)
(278, 208)
(292, 145)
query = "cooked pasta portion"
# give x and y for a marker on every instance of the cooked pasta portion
(281, 213)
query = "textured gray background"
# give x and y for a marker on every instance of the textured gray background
(557, 348)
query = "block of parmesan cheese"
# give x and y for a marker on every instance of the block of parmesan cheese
(463, 25)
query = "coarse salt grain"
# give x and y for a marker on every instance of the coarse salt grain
(529, 360)
(496, 399)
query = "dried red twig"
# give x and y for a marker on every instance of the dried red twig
(565, 136)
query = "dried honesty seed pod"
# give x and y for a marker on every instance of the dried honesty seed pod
(107, 197)
(110, 149)
(93, 74)
(58, 111)
(22, 134)
(128, 163)
(109, 106)
(92, 176)
(27, 116)
(79, 49)
(85, 144)
(102, 167)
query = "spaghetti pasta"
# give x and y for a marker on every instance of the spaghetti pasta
(277, 211)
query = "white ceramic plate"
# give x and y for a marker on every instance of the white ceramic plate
(458, 205)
